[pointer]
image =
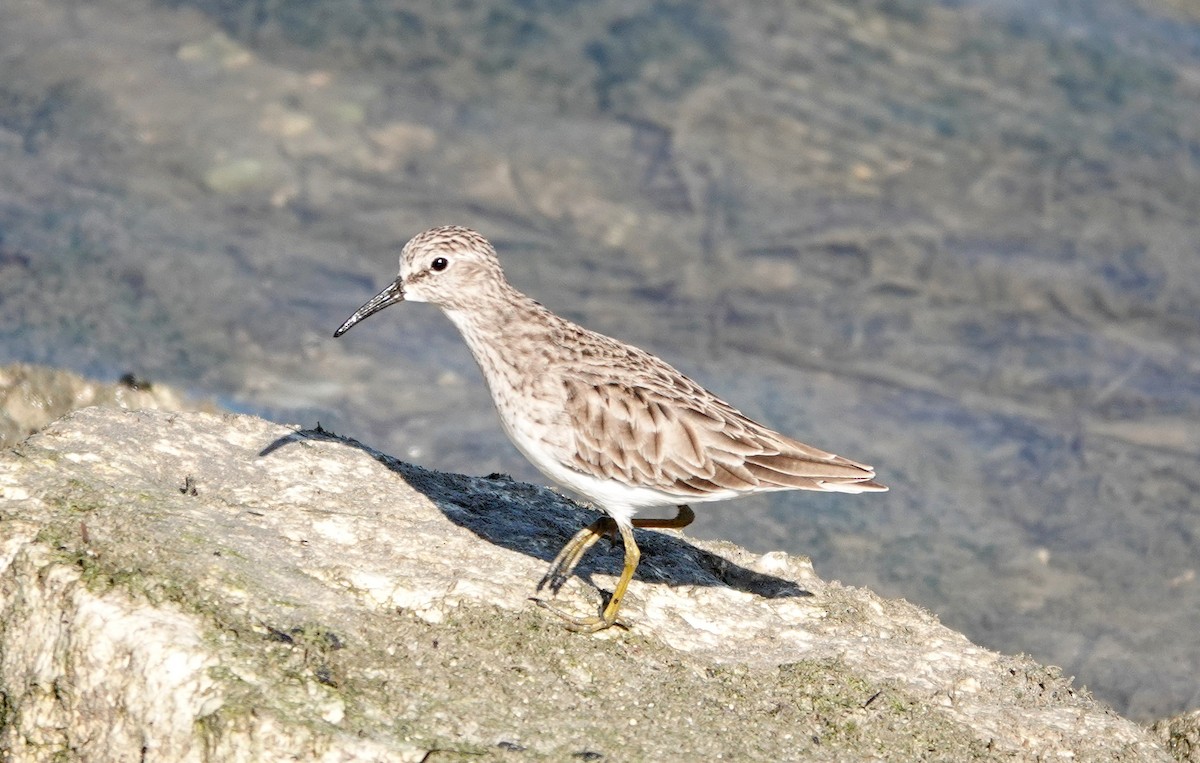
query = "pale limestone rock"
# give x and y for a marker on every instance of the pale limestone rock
(189, 586)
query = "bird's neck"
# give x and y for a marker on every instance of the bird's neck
(496, 326)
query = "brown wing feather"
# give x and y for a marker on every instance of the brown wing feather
(682, 439)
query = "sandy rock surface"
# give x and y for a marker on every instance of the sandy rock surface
(190, 586)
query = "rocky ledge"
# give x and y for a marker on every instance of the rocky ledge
(191, 586)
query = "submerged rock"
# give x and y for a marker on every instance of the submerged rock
(32, 396)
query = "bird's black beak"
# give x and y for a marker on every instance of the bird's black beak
(391, 295)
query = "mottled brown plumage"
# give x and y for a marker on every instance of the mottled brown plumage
(601, 417)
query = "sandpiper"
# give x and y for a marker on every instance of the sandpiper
(603, 418)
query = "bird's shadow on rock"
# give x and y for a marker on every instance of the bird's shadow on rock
(538, 522)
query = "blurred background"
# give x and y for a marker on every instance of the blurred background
(957, 240)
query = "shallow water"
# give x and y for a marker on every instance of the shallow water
(954, 241)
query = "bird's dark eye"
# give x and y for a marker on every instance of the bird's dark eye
(439, 263)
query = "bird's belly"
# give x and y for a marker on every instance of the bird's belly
(617, 499)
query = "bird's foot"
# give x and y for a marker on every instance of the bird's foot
(581, 624)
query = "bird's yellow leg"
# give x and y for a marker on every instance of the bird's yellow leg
(683, 517)
(609, 616)
(575, 549)
(564, 563)
(572, 553)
